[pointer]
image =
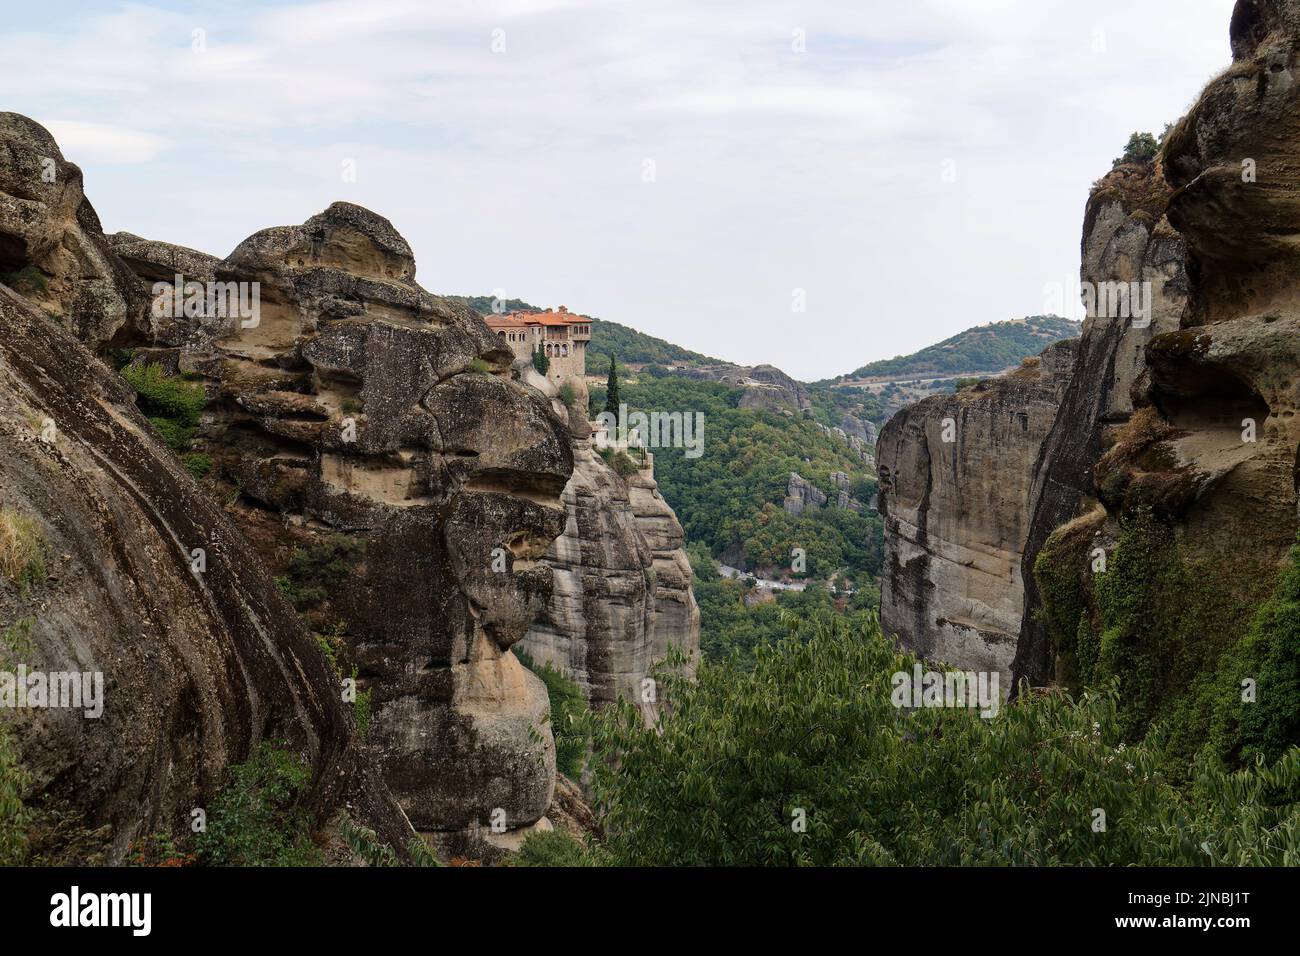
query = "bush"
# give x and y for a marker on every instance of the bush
(257, 819)
(1141, 148)
(554, 848)
(197, 464)
(478, 367)
(809, 735)
(568, 395)
(14, 816)
(172, 404)
(22, 549)
(318, 570)
(541, 362)
(567, 707)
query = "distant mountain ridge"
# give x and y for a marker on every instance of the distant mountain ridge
(985, 348)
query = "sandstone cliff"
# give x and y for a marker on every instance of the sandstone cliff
(622, 594)
(198, 662)
(1126, 238)
(955, 483)
(362, 414)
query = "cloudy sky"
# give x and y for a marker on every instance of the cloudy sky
(905, 168)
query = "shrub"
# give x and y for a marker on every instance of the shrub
(317, 570)
(567, 707)
(257, 819)
(541, 362)
(365, 843)
(197, 464)
(14, 816)
(478, 366)
(22, 549)
(172, 404)
(1141, 148)
(554, 848)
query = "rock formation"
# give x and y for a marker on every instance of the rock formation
(802, 495)
(622, 594)
(1185, 413)
(132, 572)
(1126, 238)
(955, 481)
(358, 407)
(765, 386)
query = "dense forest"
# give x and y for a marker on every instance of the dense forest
(729, 499)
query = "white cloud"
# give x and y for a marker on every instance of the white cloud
(522, 169)
(104, 143)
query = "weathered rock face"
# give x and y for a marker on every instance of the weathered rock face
(622, 593)
(802, 495)
(955, 482)
(358, 407)
(196, 667)
(1126, 238)
(50, 229)
(1215, 449)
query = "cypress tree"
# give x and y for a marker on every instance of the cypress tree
(611, 389)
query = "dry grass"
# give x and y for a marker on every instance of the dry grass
(22, 548)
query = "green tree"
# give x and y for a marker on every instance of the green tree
(804, 759)
(541, 362)
(1141, 148)
(612, 399)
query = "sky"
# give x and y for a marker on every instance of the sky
(810, 184)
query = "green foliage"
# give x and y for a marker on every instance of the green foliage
(16, 640)
(730, 627)
(567, 707)
(1141, 148)
(568, 395)
(197, 464)
(318, 570)
(172, 404)
(811, 727)
(14, 816)
(1164, 624)
(558, 849)
(478, 366)
(620, 461)
(985, 348)
(258, 819)
(612, 397)
(729, 498)
(27, 280)
(541, 362)
(610, 338)
(1269, 654)
(365, 843)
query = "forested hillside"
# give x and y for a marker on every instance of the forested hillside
(985, 348)
(635, 347)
